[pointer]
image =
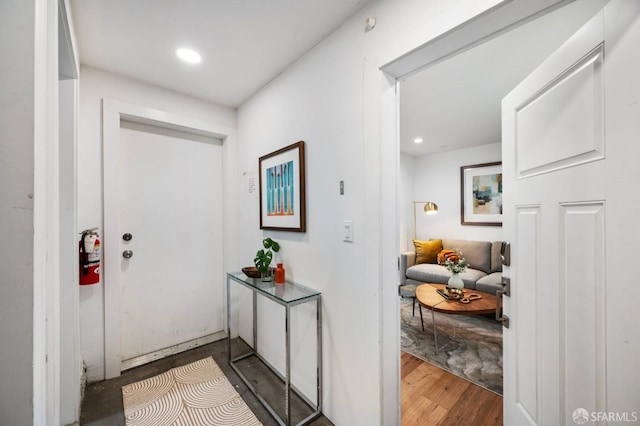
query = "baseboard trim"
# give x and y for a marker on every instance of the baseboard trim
(162, 353)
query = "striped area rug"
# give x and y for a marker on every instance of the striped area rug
(192, 395)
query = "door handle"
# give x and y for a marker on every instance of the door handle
(127, 254)
(506, 290)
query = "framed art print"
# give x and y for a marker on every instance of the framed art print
(282, 189)
(481, 194)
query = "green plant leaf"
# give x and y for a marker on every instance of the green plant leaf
(265, 256)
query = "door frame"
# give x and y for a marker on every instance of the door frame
(502, 18)
(112, 113)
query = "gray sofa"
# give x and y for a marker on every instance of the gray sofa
(484, 272)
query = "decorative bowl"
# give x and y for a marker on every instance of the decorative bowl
(251, 272)
(455, 293)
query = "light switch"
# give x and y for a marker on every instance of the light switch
(348, 231)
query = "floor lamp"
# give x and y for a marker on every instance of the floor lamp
(429, 208)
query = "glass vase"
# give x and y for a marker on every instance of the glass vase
(279, 274)
(267, 276)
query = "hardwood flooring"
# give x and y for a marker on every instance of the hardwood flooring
(434, 397)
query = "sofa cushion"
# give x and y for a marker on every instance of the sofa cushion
(430, 273)
(490, 283)
(496, 256)
(476, 253)
(427, 251)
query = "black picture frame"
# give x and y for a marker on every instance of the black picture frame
(481, 194)
(283, 189)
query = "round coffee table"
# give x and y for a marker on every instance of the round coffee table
(427, 296)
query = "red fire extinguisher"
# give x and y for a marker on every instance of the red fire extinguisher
(89, 257)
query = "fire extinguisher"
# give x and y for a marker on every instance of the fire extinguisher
(89, 257)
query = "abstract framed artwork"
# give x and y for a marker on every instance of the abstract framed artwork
(282, 189)
(481, 194)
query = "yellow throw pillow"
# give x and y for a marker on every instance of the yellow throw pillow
(427, 251)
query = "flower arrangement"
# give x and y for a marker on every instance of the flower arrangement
(456, 264)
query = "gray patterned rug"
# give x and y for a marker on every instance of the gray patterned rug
(475, 354)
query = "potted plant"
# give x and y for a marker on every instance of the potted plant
(264, 257)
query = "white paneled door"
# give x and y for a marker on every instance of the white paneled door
(570, 173)
(171, 207)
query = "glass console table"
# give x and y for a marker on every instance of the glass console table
(287, 295)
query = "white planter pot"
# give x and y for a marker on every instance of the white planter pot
(456, 282)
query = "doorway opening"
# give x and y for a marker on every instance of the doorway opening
(453, 103)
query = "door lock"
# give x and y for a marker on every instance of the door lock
(505, 290)
(127, 236)
(127, 254)
(505, 253)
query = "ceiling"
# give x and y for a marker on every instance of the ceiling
(244, 43)
(456, 103)
(247, 43)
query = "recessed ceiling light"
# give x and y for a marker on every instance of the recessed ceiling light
(417, 140)
(189, 55)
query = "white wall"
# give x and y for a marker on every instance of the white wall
(406, 185)
(331, 99)
(437, 178)
(324, 114)
(17, 32)
(70, 361)
(94, 85)
(29, 211)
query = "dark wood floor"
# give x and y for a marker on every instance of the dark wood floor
(430, 395)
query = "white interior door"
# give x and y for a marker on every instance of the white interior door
(171, 204)
(570, 170)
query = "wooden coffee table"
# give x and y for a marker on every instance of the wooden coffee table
(428, 297)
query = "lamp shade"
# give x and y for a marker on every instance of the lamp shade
(430, 208)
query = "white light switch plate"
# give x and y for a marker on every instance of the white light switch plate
(348, 231)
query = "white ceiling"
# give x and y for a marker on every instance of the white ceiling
(456, 103)
(244, 43)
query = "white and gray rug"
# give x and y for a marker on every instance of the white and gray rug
(475, 354)
(192, 395)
